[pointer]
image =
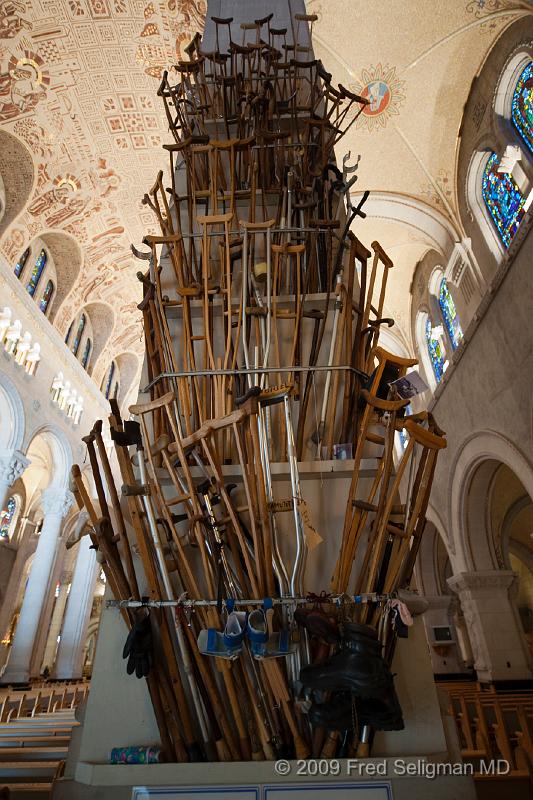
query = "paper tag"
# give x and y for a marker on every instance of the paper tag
(312, 536)
(281, 505)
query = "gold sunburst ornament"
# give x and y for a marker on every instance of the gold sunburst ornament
(385, 91)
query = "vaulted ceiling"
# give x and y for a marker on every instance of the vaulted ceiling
(78, 81)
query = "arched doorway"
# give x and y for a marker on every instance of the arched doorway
(448, 639)
(494, 515)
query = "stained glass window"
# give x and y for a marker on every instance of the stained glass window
(404, 436)
(449, 314)
(79, 334)
(522, 105)
(6, 518)
(109, 381)
(67, 337)
(36, 273)
(21, 263)
(47, 296)
(86, 354)
(504, 200)
(435, 350)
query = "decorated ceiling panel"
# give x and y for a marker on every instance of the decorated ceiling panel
(78, 82)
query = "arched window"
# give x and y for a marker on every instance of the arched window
(108, 380)
(47, 296)
(79, 334)
(449, 314)
(86, 354)
(37, 272)
(67, 337)
(21, 263)
(522, 105)
(7, 518)
(435, 350)
(503, 199)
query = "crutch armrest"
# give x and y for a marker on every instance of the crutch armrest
(383, 355)
(383, 405)
(382, 255)
(424, 437)
(144, 408)
(257, 226)
(135, 489)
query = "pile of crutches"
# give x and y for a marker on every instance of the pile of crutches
(261, 312)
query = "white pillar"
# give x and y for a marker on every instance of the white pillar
(55, 502)
(70, 654)
(445, 656)
(12, 465)
(57, 620)
(493, 627)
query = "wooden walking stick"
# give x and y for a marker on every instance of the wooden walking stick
(170, 736)
(130, 569)
(154, 592)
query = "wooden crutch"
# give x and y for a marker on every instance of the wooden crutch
(157, 694)
(137, 518)
(112, 489)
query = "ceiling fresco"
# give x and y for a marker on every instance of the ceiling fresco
(78, 82)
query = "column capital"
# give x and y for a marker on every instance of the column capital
(483, 580)
(56, 500)
(12, 465)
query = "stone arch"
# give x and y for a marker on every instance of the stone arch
(476, 203)
(421, 344)
(12, 410)
(471, 473)
(484, 128)
(421, 218)
(434, 564)
(18, 175)
(102, 321)
(68, 259)
(128, 366)
(60, 451)
(504, 90)
(30, 254)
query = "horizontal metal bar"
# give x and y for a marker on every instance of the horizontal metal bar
(262, 231)
(337, 599)
(205, 373)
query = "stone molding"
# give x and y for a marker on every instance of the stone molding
(439, 601)
(484, 580)
(56, 500)
(12, 465)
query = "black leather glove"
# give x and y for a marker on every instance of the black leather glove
(138, 647)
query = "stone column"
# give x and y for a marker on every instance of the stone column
(56, 622)
(70, 654)
(12, 465)
(445, 656)
(8, 606)
(55, 503)
(494, 630)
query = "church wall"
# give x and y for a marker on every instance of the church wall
(489, 388)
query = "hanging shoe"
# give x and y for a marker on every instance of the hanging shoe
(336, 714)
(357, 667)
(227, 644)
(261, 644)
